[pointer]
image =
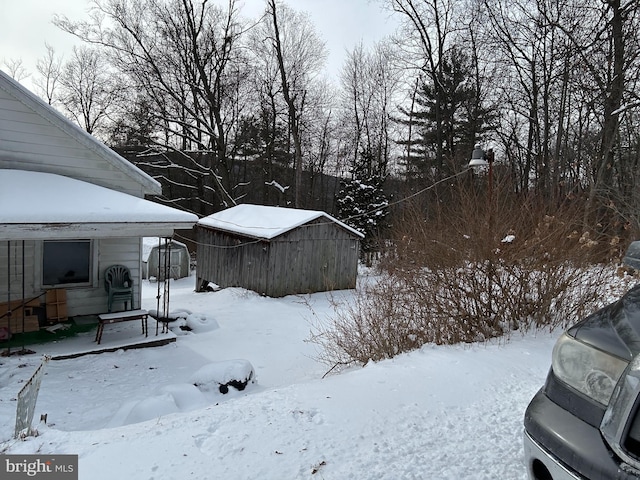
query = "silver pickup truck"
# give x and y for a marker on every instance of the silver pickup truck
(584, 423)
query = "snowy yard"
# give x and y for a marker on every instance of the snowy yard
(438, 413)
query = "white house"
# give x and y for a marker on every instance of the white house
(69, 207)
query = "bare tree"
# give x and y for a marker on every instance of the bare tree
(49, 69)
(369, 85)
(606, 40)
(270, 118)
(299, 54)
(320, 135)
(15, 68)
(534, 86)
(431, 23)
(439, 45)
(87, 91)
(183, 57)
(574, 64)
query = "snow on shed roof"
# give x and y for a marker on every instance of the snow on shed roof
(45, 205)
(266, 222)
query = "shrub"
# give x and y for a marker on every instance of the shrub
(397, 314)
(467, 280)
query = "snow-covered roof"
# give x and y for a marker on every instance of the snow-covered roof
(261, 221)
(45, 205)
(31, 107)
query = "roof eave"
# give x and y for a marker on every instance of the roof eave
(233, 232)
(60, 231)
(268, 239)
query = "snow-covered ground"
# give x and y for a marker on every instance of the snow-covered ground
(437, 413)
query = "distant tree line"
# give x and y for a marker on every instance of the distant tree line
(222, 108)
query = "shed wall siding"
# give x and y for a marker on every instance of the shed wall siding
(80, 300)
(232, 261)
(315, 257)
(179, 261)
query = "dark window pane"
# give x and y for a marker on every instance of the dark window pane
(66, 262)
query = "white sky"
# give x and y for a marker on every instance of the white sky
(25, 25)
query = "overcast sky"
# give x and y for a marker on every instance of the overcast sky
(25, 25)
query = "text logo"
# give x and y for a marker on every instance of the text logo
(50, 467)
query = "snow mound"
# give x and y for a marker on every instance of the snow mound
(185, 395)
(200, 323)
(182, 320)
(152, 407)
(222, 375)
(166, 400)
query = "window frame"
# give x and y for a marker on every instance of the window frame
(92, 273)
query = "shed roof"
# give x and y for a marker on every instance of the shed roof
(260, 221)
(44, 205)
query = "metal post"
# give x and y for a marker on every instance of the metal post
(491, 271)
(9, 312)
(157, 280)
(167, 266)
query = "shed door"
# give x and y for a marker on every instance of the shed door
(175, 269)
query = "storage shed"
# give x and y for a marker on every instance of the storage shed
(156, 264)
(276, 251)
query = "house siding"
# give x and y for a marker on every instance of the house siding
(29, 142)
(80, 300)
(317, 256)
(112, 251)
(11, 271)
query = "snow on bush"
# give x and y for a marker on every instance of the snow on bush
(200, 322)
(222, 375)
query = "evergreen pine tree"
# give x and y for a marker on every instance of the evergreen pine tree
(362, 203)
(447, 117)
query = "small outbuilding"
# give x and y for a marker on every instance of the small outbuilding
(164, 258)
(276, 251)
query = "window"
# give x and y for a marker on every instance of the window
(66, 263)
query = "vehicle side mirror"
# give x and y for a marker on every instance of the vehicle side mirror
(632, 257)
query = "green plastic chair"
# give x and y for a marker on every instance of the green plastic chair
(119, 286)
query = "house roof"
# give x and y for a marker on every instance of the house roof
(28, 116)
(36, 205)
(265, 222)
